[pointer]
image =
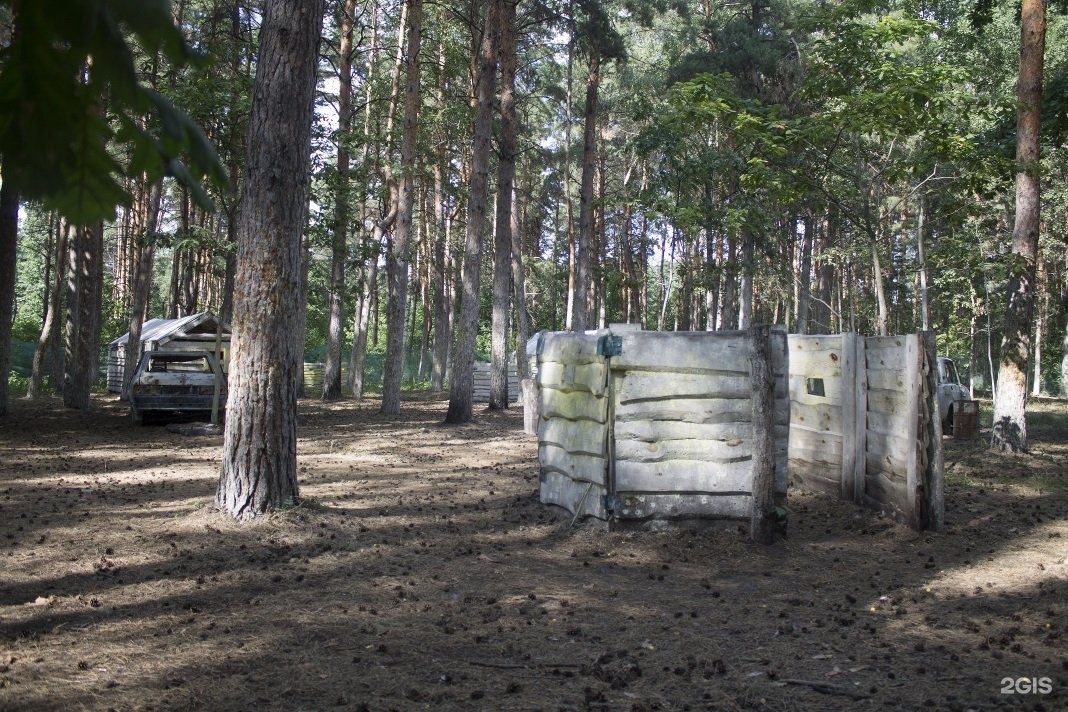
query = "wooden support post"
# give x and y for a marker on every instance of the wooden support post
(913, 378)
(854, 417)
(763, 520)
(530, 406)
(933, 479)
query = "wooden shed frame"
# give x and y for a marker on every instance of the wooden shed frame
(864, 423)
(195, 332)
(637, 427)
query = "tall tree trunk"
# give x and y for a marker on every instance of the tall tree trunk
(9, 237)
(804, 279)
(141, 288)
(442, 332)
(370, 249)
(259, 459)
(921, 225)
(84, 287)
(745, 300)
(460, 382)
(503, 231)
(728, 305)
(340, 240)
(569, 218)
(519, 285)
(821, 314)
(50, 325)
(1009, 430)
(583, 246)
(1064, 361)
(399, 258)
(369, 280)
(882, 317)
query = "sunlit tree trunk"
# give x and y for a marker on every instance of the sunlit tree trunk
(398, 257)
(1009, 430)
(503, 231)
(259, 458)
(460, 381)
(340, 240)
(804, 278)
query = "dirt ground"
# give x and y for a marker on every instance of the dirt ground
(420, 572)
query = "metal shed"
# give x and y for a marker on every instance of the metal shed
(196, 332)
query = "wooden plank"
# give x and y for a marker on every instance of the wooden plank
(914, 379)
(882, 401)
(719, 351)
(636, 507)
(573, 405)
(584, 498)
(886, 423)
(886, 491)
(892, 379)
(590, 377)
(933, 480)
(654, 430)
(888, 466)
(893, 447)
(825, 363)
(578, 437)
(683, 476)
(854, 433)
(802, 343)
(698, 410)
(832, 390)
(763, 525)
(816, 477)
(566, 347)
(816, 447)
(820, 418)
(530, 398)
(653, 385)
(884, 351)
(711, 451)
(577, 466)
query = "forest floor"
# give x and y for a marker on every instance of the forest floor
(419, 571)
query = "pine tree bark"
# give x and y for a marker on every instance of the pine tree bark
(141, 288)
(259, 460)
(9, 228)
(50, 326)
(1009, 431)
(399, 258)
(439, 264)
(340, 239)
(84, 285)
(503, 236)
(804, 279)
(583, 245)
(460, 381)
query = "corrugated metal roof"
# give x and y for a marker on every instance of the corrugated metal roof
(160, 329)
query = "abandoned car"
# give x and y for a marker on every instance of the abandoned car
(170, 383)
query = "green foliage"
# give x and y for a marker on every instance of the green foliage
(61, 76)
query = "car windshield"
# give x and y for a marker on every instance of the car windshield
(951, 372)
(179, 363)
